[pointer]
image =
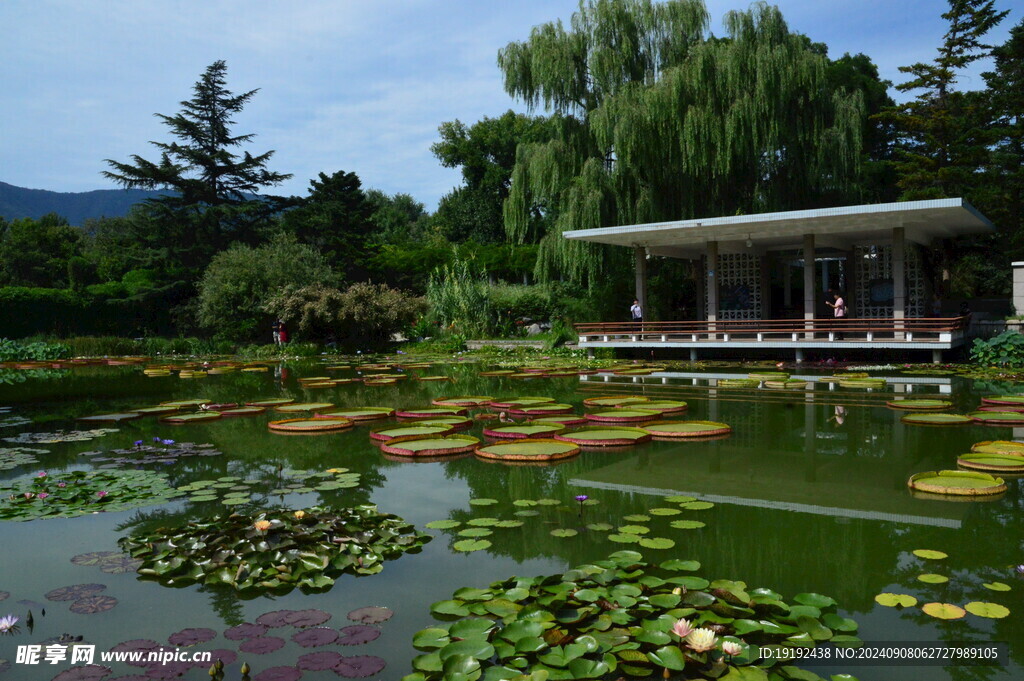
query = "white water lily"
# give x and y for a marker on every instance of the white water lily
(682, 628)
(732, 648)
(8, 624)
(701, 640)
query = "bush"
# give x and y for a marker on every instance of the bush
(102, 346)
(15, 351)
(1005, 350)
(361, 313)
(235, 288)
(458, 299)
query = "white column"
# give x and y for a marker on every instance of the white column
(809, 290)
(1018, 287)
(899, 279)
(640, 260)
(712, 284)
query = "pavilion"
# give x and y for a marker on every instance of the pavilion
(748, 268)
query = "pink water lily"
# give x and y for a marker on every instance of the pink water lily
(731, 648)
(42, 474)
(42, 495)
(101, 493)
(682, 628)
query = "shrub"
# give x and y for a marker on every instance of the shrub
(362, 312)
(458, 299)
(236, 286)
(1005, 350)
(101, 346)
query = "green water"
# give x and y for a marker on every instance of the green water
(809, 492)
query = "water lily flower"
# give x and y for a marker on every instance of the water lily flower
(42, 474)
(102, 493)
(581, 498)
(156, 439)
(1020, 569)
(682, 628)
(334, 470)
(62, 484)
(261, 525)
(299, 515)
(701, 640)
(42, 495)
(731, 648)
(29, 495)
(138, 443)
(7, 624)
(167, 442)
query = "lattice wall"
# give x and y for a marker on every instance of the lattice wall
(874, 271)
(739, 286)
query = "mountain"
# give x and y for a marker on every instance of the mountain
(77, 207)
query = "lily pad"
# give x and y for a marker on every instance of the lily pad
(943, 611)
(443, 524)
(359, 666)
(315, 636)
(75, 592)
(470, 545)
(564, 532)
(240, 632)
(371, 615)
(697, 505)
(957, 483)
(191, 637)
(261, 645)
(988, 610)
(358, 634)
(996, 586)
(319, 661)
(930, 554)
(930, 578)
(687, 524)
(93, 604)
(528, 450)
(482, 502)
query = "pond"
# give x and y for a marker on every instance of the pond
(807, 495)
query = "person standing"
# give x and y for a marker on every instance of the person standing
(636, 311)
(276, 328)
(282, 334)
(839, 310)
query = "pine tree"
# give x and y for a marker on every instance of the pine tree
(1005, 176)
(942, 130)
(656, 120)
(210, 186)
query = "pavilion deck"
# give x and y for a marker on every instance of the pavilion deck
(935, 334)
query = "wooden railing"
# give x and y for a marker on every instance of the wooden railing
(912, 329)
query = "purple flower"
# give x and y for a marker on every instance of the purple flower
(167, 442)
(8, 624)
(1020, 569)
(62, 484)
(138, 443)
(42, 474)
(42, 495)
(101, 493)
(156, 439)
(581, 498)
(29, 495)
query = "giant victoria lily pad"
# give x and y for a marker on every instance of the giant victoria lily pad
(930, 419)
(316, 425)
(957, 483)
(528, 450)
(463, 401)
(997, 418)
(430, 412)
(525, 430)
(275, 551)
(1012, 400)
(995, 463)
(390, 432)
(358, 413)
(999, 447)
(563, 419)
(438, 445)
(618, 614)
(674, 430)
(302, 406)
(614, 400)
(916, 404)
(623, 415)
(455, 422)
(516, 402)
(543, 409)
(183, 419)
(605, 436)
(76, 493)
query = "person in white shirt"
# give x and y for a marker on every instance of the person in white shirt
(636, 312)
(839, 309)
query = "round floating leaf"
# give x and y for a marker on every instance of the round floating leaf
(278, 673)
(191, 637)
(697, 505)
(564, 532)
(357, 634)
(637, 518)
(930, 554)
(261, 645)
(527, 513)
(633, 529)
(930, 578)
(482, 502)
(319, 661)
(676, 565)
(656, 543)
(443, 524)
(687, 524)
(624, 538)
(476, 532)
(892, 600)
(943, 611)
(371, 615)
(315, 636)
(664, 511)
(815, 600)
(307, 618)
(600, 527)
(93, 604)
(469, 545)
(989, 610)
(74, 592)
(508, 523)
(483, 522)
(996, 586)
(243, 631)
(680, 499)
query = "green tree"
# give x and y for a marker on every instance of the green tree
(38, 252)
(486, 154)
(210, 200)
(239, 281)
(653, 120)
(943, 140)
(397, 219)
(335, 219)
(1005, 173)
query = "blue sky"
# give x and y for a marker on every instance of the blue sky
(355, 85)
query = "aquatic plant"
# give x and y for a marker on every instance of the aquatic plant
(275, 550)
(618, 616)
(78, 493)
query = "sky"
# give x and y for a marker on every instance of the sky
(354, 85)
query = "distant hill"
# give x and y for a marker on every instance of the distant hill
(77, 207)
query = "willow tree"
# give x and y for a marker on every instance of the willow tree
(658, 120)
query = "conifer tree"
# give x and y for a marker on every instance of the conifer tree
(210, 185)
(942, 130)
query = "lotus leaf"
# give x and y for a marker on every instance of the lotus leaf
(564, 532)
(996, 586)
(958, 483)
(321, 545)
(469, 545)
(930, 554)
(686, 524)
(697, 505)
(614, 615)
